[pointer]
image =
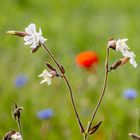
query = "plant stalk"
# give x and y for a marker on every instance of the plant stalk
(102, 92)
(69, 88)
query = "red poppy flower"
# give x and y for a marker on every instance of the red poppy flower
(87, 59)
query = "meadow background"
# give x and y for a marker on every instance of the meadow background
(71, 26)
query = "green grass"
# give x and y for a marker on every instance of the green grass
(70, 27)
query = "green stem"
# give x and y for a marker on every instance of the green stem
(69, 87)
(103, 91)
(19, 126)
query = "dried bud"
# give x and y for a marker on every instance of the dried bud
(124, 60)
(119, 63)
(16, 112)
(18, 33)
(62, 69)
(12, 135)
(115, 65)
(50, 66)
(134, 136)
(94, 128)
(112, 44)
(33, 50)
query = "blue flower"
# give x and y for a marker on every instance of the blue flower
(130, 93)
(45, 114)
(20, 80)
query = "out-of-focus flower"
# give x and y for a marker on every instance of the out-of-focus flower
(87, 59)
(131, 57)
(45, 114)
(13, 135)
(20, 80)
(122, 46)
(130, 93)
(47, 76)
(16, 136)
(33, 38)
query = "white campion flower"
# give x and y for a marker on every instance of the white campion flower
(124, 49)
(131, 57)
(46, 77)
(33, 38)
(122, 46)
(16, 136)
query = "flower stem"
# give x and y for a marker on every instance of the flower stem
(19, 126)
(102, 92)
(69, 88)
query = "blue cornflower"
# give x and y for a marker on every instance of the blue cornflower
(45, 114)
(20, 80)
(130, 93)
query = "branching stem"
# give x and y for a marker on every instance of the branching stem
(69, 88)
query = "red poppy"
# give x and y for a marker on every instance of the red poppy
(87, 59)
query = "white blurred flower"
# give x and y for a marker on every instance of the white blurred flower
(124, 49)
(33, 38)
(131, 57)
(16, 136)
(46, 77)
(122, 46)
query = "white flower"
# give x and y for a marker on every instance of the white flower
(33, 38)
(122, 46)
(124, 49)
(16, 136)
(46, 77)
(131, 57)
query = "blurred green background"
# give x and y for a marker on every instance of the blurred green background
(70, 27)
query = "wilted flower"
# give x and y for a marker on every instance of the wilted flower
(87, 59)
(130, 93)
(46, 77)
(20, 80)
(45, 114)
(33, 38)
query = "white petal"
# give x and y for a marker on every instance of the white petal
(42, 39)
(40, 31)
(27, 37)
(40, 75)
(31, 29)
(49, 81)
(124, 40)
(28, 43)
(34, 45)
(133, 62)
(43, 81)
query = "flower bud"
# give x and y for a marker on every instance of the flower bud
(33, 50)
(17, 33)
(119, 63)
(112, 44)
